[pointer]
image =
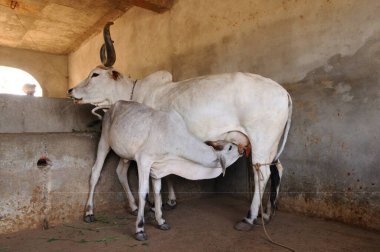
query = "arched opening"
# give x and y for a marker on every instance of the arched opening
(18, 82)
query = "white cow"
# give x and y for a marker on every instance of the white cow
(215, 107)
(241, 108)
(161, 145)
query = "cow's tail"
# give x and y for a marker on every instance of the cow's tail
(274, 184)
(274, 173)
(287, 127)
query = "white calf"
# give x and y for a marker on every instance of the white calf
(161, 145)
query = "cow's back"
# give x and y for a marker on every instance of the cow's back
(216, 104)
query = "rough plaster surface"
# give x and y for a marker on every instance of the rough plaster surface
(32, 196)
(332, 157)
(49, 70)
(21, 114)
(326, 52)
(283, 40)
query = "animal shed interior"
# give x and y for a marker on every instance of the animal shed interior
(330, 159)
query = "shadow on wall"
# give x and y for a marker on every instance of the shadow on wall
(331, 159)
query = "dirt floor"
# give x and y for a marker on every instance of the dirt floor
(197, 225)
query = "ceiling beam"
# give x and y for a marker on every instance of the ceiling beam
(154, 5)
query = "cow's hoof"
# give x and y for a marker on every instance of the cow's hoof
(164, 226)
(134, 213)
(89, 218)
(243, 226)
(141, 236)
(172, 204)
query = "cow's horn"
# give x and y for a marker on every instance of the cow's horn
(107, 51)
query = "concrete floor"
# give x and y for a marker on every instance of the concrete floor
(197, 225)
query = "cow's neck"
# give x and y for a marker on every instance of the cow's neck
(122, 90)
(142, 92)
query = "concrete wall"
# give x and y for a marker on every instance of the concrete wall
(33, 197)
(51, 71)
(326, 53)
(283, 40)
(333, 151)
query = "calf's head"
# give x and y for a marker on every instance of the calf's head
(227, 152)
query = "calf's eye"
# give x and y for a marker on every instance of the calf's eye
(230, 148)
(94, 75)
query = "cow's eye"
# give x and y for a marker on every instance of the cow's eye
(94, 75)
(230, 148)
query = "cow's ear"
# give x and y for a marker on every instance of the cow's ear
(215, 145)
(115, 74)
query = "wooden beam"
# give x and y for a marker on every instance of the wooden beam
(154, 5)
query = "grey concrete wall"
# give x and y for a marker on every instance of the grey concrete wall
(332, 158)
(51, 71)
(32, 196)
(20, 114)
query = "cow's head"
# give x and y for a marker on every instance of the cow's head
(99, 88)
(101, 85)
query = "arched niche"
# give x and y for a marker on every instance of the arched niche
(16, 81)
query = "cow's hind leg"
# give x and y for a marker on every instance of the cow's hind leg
(262, 156)
(103, 149)
(261, 177)
(172, 202)
(158, 202)
(275, 178)
(122, 173)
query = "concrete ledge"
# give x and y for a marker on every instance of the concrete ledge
(40, 114)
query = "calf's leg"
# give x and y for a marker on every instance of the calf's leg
(158, 202)
(172, 202)
(122, 173)
(103, 149)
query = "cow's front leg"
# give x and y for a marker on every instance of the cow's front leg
(172, 202)
(158, 202)
(103, 149)
(143, 174)
(261, 178)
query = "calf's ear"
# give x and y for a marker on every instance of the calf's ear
(223, 163)
(215, 145)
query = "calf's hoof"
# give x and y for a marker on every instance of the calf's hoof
(164, 226)
(243, 226)
(172, 204)
(134, 213)
(89, 218)
(141, 236)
